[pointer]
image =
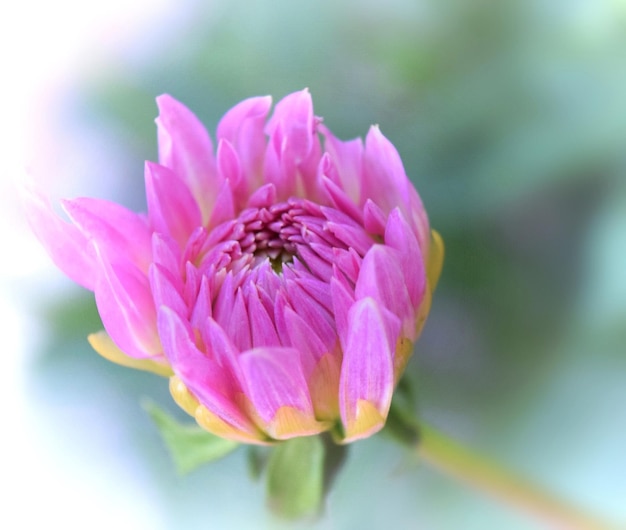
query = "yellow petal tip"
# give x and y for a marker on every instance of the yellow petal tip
(104, 345)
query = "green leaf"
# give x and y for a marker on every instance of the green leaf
(295, 477)
(189, 445)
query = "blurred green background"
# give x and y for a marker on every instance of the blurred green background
(510, 118)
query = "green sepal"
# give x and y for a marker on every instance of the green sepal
(189, 445)
(300, 473)
(295, 477)
(402, 421)
(257, 458)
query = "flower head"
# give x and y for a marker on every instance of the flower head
(279, 280)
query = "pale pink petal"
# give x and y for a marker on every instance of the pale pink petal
(68, 247)
(113, 228)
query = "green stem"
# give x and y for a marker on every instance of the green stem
(460, 462)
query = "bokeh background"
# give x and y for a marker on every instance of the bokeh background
(510, 118)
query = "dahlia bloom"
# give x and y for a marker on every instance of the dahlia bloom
(279, 282)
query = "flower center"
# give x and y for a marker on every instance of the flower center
(279, 233)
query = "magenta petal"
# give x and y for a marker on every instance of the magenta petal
(243, 127)
(382, 279)
(305, 340)
(221, 348)
(67, 246)
(374, 219)
(384, 179)
(343, 300)
(261, 324)
(167, 254)
(398, 235)
(171, 206)
(201, 308)
(274, 379)
(229, 167)
(114, 229)
(367, 368)
(291, 125)
(348, 159)
(208, 382)
(164, 291)
(125, 304)
(224, 209)
(186, 148)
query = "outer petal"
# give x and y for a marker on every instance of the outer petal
(124, 301)
(398, 235)
(367, 378)
(381, 277)
(186, 148)
(278, 392)
(102, 343)
(68, 247)
(206, 380)
(114, 229)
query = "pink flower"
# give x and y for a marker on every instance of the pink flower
(279, 282)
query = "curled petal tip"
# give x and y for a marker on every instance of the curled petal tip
(102, 343)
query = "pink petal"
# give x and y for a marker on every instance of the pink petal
(374, 219)
(338, 198)
(68, 247)
(171, 206)
(208, 382)
(202, 307)
(274, 379)
(343, 300)
(398, 235)
(382, 279)
(229, 168)
(167, 254)
(384, 178)
(261, 324)
(367, 368)
(348, 160)
(115, 230)
(222, 349)
(224, 208)
(263, 197)
(305, 340)
(186, 148)
(125, 304)
(243, 127)
(164, 291)
(291, 126)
